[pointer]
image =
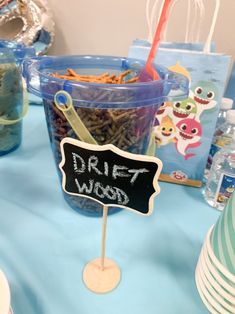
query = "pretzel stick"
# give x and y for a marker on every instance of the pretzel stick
(104, 78)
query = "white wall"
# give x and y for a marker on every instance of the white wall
(109, 26)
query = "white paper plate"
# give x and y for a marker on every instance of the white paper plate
(4, 294)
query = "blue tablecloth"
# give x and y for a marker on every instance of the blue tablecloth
(44, 244)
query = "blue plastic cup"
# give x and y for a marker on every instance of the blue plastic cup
(20, 51)
(13, 103)
(122, 115)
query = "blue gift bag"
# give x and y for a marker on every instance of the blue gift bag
(230, 91)
(184, 130)
(176, 45)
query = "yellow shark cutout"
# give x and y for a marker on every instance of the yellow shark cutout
(165, 132)
(178, 68)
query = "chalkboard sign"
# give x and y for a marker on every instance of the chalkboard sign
(109, 175)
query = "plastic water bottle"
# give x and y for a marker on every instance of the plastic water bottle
(221, 180)
(223, 136)
(226, 104)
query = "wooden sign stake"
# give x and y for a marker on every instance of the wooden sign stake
(102, 275)
(104, 224)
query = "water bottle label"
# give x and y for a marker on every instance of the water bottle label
(214, 149)
(225, 188)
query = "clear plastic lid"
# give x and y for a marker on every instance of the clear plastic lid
(226, 103)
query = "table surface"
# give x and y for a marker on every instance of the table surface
(44, 244)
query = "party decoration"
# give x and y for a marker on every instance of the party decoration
(111, 177)
(38, 26)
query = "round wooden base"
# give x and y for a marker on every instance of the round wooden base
(101, 281)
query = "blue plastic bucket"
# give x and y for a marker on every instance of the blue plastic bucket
(122, 115)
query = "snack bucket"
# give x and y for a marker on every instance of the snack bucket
(119, 114)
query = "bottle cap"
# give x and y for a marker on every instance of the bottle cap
(226, 103)
(230, 118)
